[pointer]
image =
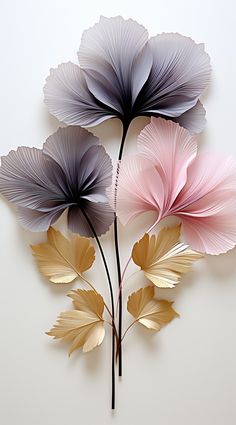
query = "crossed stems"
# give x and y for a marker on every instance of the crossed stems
(126, 123)
(116, 336)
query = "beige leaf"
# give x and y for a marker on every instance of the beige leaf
(83, 326)
(151, 312)
(163, 258)
(62, 260)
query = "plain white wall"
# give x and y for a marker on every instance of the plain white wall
(184, 375)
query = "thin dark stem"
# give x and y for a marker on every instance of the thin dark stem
(125, 130)
(112, 307)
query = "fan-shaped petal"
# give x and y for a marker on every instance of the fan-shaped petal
(171, 148)
(117, 60)
(100, 215)
(73, 170)
(207, 204)
(214, 234)
(194, 119)
(87, 166)
(210, 182)
(69, 99)
(27, 180)
(180, 73)
(37, 221)
(140, 188)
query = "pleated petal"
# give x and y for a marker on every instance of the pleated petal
(87, 166)
(100, 214)
(207, 204)
(117, 60)
(215, 234)
(172, 149)
(68, 98)
(28, 180)
(37, 221)
(211, 180)
(180, 73)
(140, 189)
(71, 171)
(194, 119)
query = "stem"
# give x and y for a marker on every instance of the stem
(112, 307)
(125, 130)
(122, 281)
(120, 342)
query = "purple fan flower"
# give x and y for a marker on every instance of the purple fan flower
(124, 74)
(71, 171)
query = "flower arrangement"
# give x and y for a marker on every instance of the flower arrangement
(124, 74)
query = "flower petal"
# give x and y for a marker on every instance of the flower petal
(210, 176)
(27, 179)
(214, 234)
(207, 204)
(171, 148)
(179, 75)
(140, 188)
(193, 119)
(37, 221)
(99, 213)
(87, 166)
(69, 99)
(117, 61)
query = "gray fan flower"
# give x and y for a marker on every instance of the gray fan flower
(71, 171)
(124, 74)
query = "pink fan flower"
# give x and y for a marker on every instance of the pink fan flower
(169, 177)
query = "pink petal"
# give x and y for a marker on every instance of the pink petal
(172, 149)
(207, 204)
(140, 188)
(214, 234)
(209, 175)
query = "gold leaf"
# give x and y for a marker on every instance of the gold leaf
(62, 260)
(151, 312)
(163, 258)
(83, 326)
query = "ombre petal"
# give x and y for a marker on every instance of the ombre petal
(180, 73)
(28, 181)
(71, 171)
(207, 204)
(140, 189)
(100, 214)
(172, 149)
(211, 180)
(84, 161)
(37, 221)
(123, 74)
(67, 97)
(213, 235)
(194, 120)
(199, 190)
(117, 61)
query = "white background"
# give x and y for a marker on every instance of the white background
(184, 375)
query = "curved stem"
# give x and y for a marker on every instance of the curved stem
(112, 306)
(125, 130)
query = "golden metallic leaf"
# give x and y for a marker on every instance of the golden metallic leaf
(62, 260)
(149, 311)
(163, 258)
(83, 326)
